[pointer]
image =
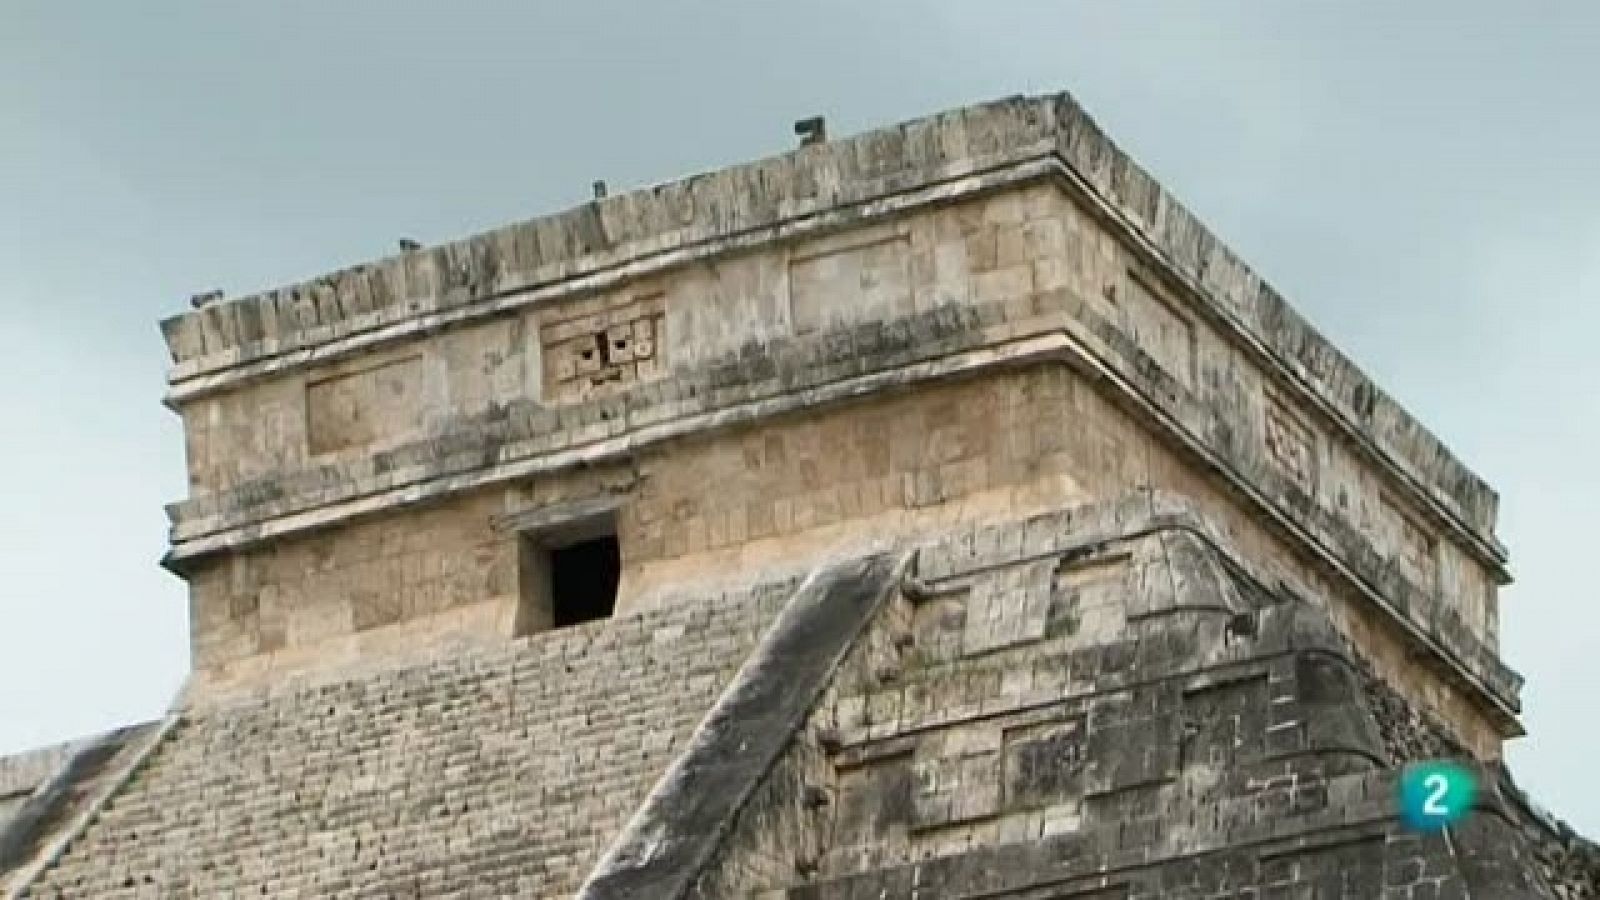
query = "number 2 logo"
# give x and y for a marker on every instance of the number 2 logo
(1434, 795)
(1438, 786)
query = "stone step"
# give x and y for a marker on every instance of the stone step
(512, 768)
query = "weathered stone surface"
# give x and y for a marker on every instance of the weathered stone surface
(66, 787)
(705, 214)
(684, 820)
(908, 315)
(982, 527)
(1174, 727)
(1176, 753)
(503, 771)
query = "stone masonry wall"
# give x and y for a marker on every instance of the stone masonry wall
(1010, 253)
(654, 371)
(789, 492)
(429, 578)
(1055, 694)
(815, 188)
(1005, 250)
(1098, 705)
(1019, 443)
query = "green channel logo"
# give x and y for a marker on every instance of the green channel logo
(1434, 795)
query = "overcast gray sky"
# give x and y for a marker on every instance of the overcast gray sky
(1418, 178)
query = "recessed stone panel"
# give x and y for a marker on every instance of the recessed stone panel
(1008, 606)
(1044, 763)
(1089, 598)
(843, 281)
(1410, 543)
(1163, 332)
(364, 407)
(1292, 444)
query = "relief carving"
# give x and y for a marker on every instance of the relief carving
(595, 348)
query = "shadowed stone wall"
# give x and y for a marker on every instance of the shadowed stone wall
(1111, 704)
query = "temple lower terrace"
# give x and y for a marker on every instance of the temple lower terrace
(936, 512)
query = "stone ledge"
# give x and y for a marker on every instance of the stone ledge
(1171, 408)
(1331, 791)
(593, 434)
(961, 181)
(766, 373)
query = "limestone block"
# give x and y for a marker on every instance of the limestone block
(1008, 606)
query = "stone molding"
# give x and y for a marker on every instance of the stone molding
(800, 372)
(1349, 802)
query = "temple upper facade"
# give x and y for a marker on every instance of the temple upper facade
(988, 312)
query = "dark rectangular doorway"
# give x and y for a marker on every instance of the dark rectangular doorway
(583, 580)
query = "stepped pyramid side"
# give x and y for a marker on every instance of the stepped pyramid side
(506, 771)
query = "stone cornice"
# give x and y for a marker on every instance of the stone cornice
(813, 190)
(1308, 389)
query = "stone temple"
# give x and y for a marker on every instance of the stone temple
(939, 512)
